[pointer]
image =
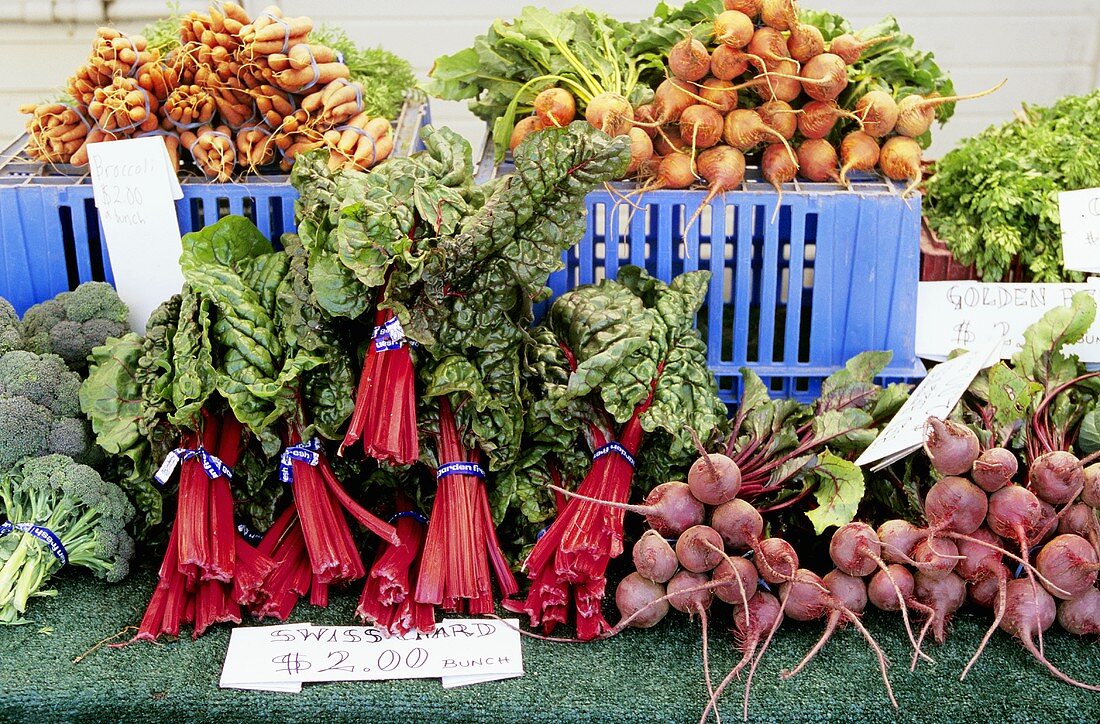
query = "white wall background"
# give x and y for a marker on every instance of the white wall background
(1045, 50)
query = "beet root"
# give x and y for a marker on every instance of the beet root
(1029, 611)
(654, 558)
(995, 469)
(944, 596)
(956, 504)
(1056, 477)
(641, 600)
(1081, 616)
(714, 479)
(1069, 563)
(951, 447)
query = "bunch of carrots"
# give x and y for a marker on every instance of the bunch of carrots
(234, 93)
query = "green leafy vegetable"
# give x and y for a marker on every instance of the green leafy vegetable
(994, 198)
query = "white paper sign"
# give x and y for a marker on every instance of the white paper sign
(935, 396)
(134, 187)
(1080, 217)
(299, 653)
(966, 315)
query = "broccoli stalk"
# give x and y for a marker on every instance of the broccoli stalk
(87, 515)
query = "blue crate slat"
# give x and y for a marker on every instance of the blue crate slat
(51, 238)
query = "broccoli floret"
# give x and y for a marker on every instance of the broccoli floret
(24, 430)
(86, 513)
(69, 436)
(43, 379)
(40, 409)
(73, 323)
(11, 329)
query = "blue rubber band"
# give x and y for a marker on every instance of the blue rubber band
(613, 447)
(303, 452)
(133, 125)
(449, 469)
(389, 336)
(47, 536)
(286, 30)
(408, 514)
(212, 465)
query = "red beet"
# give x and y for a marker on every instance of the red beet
(1056, 477)
(951, 447)
(1081, 616)
(1030, 611)
(935, 557)
(1069, 562)
(898, 538)
(944, 596)
(699, 549)
(714, 479)
(739, 524)
(641, 600)
(654, 558)
(842, 600)
(759, 620)
(670, 508)
(742, 577)
(1090, 496)
(995, 469)
(956, 505)
(775, 559)
(854, 549)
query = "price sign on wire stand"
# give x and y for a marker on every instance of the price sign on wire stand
(935, 396)
(134, 186)
(1079, 212)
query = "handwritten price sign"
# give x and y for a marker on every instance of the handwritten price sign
(966, 315)
(305, 653)
(1080, 218)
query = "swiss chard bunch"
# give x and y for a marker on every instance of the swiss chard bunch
(362, 233)
(470, 316)
(614, 362)
(994, 198)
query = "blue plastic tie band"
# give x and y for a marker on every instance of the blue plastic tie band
(459, 469)
(212, 464)
(408, 514)
(613, 447)
(303, 452)
(47, 536)
(389, 336)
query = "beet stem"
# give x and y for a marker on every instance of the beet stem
(854, 619)
(1030, 646)
(830, 628)
(1002, 592)
(931, 613)
(904, 608)
(706, 660)
(764, 648)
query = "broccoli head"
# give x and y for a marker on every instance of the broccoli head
(24, 430)
(44, 379)
(86, 513)
(40, 410)
(73, 323)
(11, 329)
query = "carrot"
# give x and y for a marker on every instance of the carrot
(297, 81)
(284, 28)
(305, 55)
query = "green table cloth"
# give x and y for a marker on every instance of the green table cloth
(653, 675)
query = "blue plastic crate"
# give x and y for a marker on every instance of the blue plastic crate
(834, 275)
(50, 235)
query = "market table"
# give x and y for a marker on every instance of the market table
(650, 675)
